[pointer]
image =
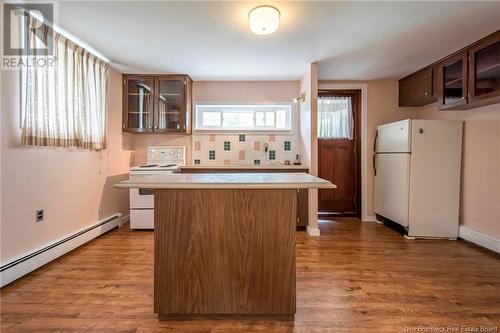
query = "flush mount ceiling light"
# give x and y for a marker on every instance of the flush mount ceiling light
(264, 20)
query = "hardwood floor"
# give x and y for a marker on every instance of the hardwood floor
(356, 277)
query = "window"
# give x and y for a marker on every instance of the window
(63, 104)
(244, 117)
(335, 118)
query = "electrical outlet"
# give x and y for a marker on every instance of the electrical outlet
(39, 215)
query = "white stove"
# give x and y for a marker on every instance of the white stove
(160, 160)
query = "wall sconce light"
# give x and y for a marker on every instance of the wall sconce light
(301, 98)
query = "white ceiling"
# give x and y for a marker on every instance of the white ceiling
(211, 41)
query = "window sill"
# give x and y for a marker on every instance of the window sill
(247, 132)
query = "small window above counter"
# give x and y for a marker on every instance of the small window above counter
(157, 103)
(466, 79)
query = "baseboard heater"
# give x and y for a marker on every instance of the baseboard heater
(37, 258)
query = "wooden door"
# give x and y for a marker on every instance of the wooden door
(338, 162)
(416, 89)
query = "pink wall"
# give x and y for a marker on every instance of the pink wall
(382, 107)
(308, 137)
(72, 186)
(245, 91)
(217, 91)
(480, 197)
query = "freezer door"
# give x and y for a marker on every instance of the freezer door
(435, 178)
(394, 137)
(392, 187)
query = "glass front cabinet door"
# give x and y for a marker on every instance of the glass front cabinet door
(484, 70)
(165, 108)
(452, 81)
(138, 104)
(171, 103)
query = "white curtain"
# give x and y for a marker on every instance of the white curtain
(65, 104)
(335, 118)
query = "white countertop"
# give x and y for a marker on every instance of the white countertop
(226, 180)
(245, 166)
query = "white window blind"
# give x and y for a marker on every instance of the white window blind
(64, 104)
(244, 117)
(335, 118)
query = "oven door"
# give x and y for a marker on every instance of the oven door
(142, 198)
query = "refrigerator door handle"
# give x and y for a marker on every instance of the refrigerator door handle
(375, 153)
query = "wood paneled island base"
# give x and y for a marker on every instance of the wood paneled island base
(225, 253)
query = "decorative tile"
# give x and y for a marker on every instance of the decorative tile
(272, 154)
(287, 145)
(256, 146)
(197, 161)
(272, 138)
(227, 145)
(241, 155)
(227, 162)
(211, 154)
(242, 137)
(256, 162)
(211, 137)
(197, 145)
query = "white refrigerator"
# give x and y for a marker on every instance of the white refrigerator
(417, 166)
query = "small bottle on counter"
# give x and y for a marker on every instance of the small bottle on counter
(297, 160)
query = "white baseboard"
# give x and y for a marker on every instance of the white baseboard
(123, 219)
(312, 231)
(28, 262)
(369, 218)
(480, 239)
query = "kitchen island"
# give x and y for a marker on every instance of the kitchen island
(225, 243)
(302, 194)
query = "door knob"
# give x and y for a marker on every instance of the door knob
(420, 131)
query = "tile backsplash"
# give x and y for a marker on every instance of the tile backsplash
(238, 149)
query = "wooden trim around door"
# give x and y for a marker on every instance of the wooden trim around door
(356, 95)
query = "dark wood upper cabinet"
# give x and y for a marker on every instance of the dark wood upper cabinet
(138, 111)
(484, 70)
(157, 103)
(417, 88)
(466, 79)
(452, 81)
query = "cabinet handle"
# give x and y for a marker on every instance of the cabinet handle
(426, 93)
(156, 127)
